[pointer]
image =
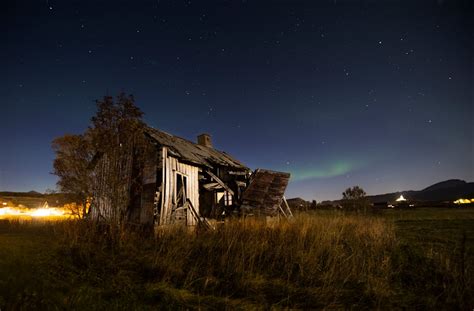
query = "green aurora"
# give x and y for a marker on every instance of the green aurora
(333, 169)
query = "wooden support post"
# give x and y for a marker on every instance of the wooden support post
(282, 211)
(288, 207)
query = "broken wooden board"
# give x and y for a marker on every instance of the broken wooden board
(220, 182)
(212, 186)
(264, 193)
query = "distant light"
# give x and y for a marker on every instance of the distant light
(401, 199)
(464, 201)
(4, 203)
(51, 213)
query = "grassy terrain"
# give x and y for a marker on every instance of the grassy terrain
(420, 259)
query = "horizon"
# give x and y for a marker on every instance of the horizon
(313, 89)
(289, 197)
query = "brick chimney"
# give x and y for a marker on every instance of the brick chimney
(205, 140)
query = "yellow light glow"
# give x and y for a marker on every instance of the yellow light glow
(50, 213)
(464, 201)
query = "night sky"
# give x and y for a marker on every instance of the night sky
(339, 93)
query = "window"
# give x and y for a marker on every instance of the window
(227, 198)
(180, 190)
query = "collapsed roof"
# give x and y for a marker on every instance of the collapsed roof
(194, 153)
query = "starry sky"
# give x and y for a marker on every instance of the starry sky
(338, 93)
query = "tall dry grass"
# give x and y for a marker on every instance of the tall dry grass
(308, 262)
(315, 261)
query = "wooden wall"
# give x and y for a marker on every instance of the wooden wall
(111, 187)
(172, 166)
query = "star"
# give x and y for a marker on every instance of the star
(209, 111)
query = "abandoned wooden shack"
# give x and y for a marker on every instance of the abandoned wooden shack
(183, 182)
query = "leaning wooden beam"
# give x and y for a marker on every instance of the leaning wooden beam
(201, 221)
(164, 182)
(282, 211)
(220, 182)
(287, 207)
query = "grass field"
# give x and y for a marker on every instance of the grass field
(421, 259)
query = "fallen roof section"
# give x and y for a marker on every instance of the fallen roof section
(265, 192)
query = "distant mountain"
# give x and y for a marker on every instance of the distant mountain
(19, 194)
(448, 190)
(450, 183)
(32, 192)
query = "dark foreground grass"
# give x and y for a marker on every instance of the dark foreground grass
(321, 260)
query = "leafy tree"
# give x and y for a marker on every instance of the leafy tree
(354, 198)
(354, 193)
(73, 154)
(106, 159)
(117, 135)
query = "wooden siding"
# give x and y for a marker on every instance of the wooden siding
(111, 187)
(148, 191)
(172, 166)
